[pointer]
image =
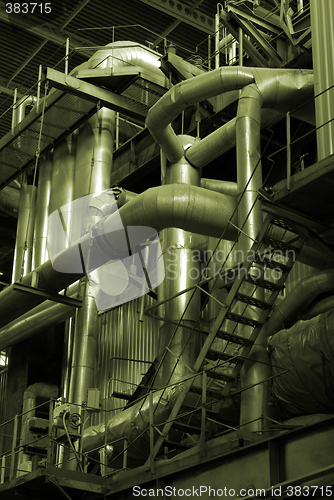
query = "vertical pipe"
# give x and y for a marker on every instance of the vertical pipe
(322, 26)
(92, 175)
(288, 151)
(253, 400)
(25, 230)
(182, 270)
(241, 48)
(42, 211)
(62, 185)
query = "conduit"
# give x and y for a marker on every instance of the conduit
(94, 158)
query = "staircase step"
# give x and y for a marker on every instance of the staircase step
(254, 280)
(231, 337)
(280, 245)
(269, 285)
(271, 263)
(252, 301)
(244, 320)
(276, 221)
(213, 354)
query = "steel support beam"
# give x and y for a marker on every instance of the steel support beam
(184, 14)
(92, 93)
(55, 297)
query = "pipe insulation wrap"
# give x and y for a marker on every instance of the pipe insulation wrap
(306, 351)
(301, 296)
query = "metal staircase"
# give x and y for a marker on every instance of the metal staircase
(266, 267)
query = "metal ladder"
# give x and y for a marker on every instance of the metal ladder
(262, 256)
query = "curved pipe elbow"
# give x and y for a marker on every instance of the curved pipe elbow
(184, 94)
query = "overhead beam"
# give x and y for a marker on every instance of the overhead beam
(70, 18)
(175, 24)
(184, 14)
(91, 92)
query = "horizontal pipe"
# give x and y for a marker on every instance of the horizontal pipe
(38, 319)
(223, 187)
(188, 207)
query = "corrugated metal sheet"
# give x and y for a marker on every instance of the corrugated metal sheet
(126, 347)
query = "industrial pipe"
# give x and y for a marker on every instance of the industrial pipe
(281, 89)
(178, 347)
(42, 209)
(25, 231)
(36, 320)
(92, 175)
(301, 296)
(184, 94)
(188, 207)
(9, 201)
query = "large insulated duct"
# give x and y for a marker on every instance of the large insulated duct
(184, 94)
(250, 218)
(188, 207)
(118, 55)
(178, 347)
(92, 175)
(302, 363)
(130, 425)
(322, 27)
(301, 296)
